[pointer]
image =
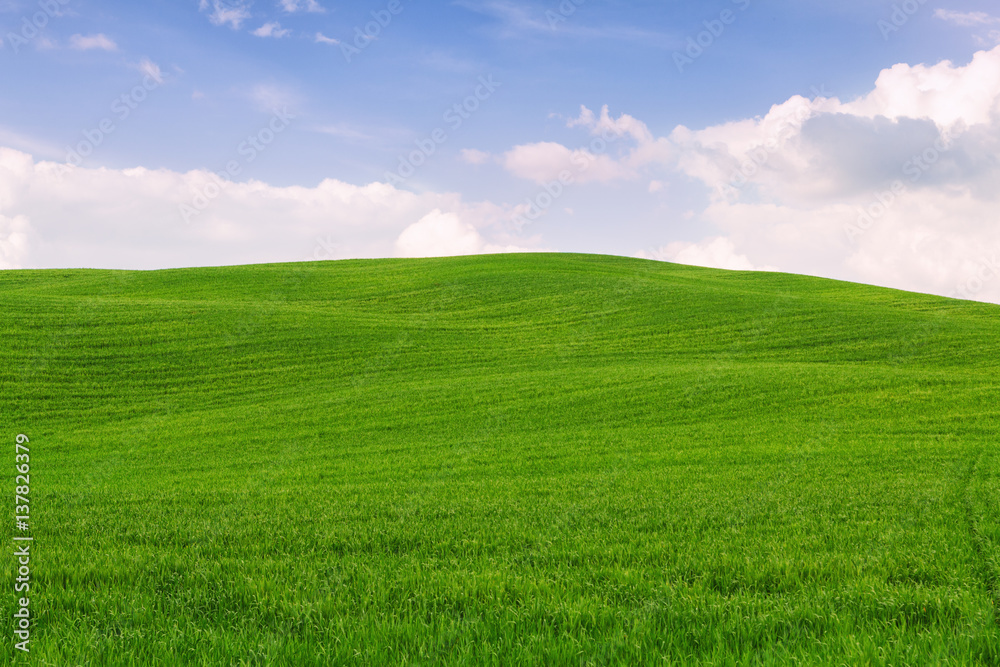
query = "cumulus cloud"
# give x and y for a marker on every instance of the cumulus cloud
(439, 234)
(897, 187)
(13, 241)
(716, 253)
(323, 39)
(951, 96)
(52, 215)
(98, 42)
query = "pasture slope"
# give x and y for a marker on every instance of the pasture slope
(501, 460)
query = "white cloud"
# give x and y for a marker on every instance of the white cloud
(56, 216)
(735, 152)
(716, 253)
(292, 6)
(620, 148)
(272, 29)
(323, 39)
(544, 162)
(227, 12)
(443, 234)
(13, 241)
(439, 234)
(99, 42)
(827, 150)
(943, 93)
(898, 187)
(473, 156)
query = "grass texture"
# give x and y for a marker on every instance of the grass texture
(501, 460)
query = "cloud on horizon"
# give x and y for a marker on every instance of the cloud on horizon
(52, 215)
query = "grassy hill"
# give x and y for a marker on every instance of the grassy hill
(517, 459)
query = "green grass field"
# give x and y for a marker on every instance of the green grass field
(501, 460)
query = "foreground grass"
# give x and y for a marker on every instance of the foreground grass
(531, 459)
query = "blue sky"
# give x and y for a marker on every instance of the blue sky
(338, 112)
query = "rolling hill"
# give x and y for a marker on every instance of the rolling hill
(501, 460)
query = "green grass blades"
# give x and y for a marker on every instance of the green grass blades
(502, 460)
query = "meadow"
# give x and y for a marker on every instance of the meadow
(501, 460)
